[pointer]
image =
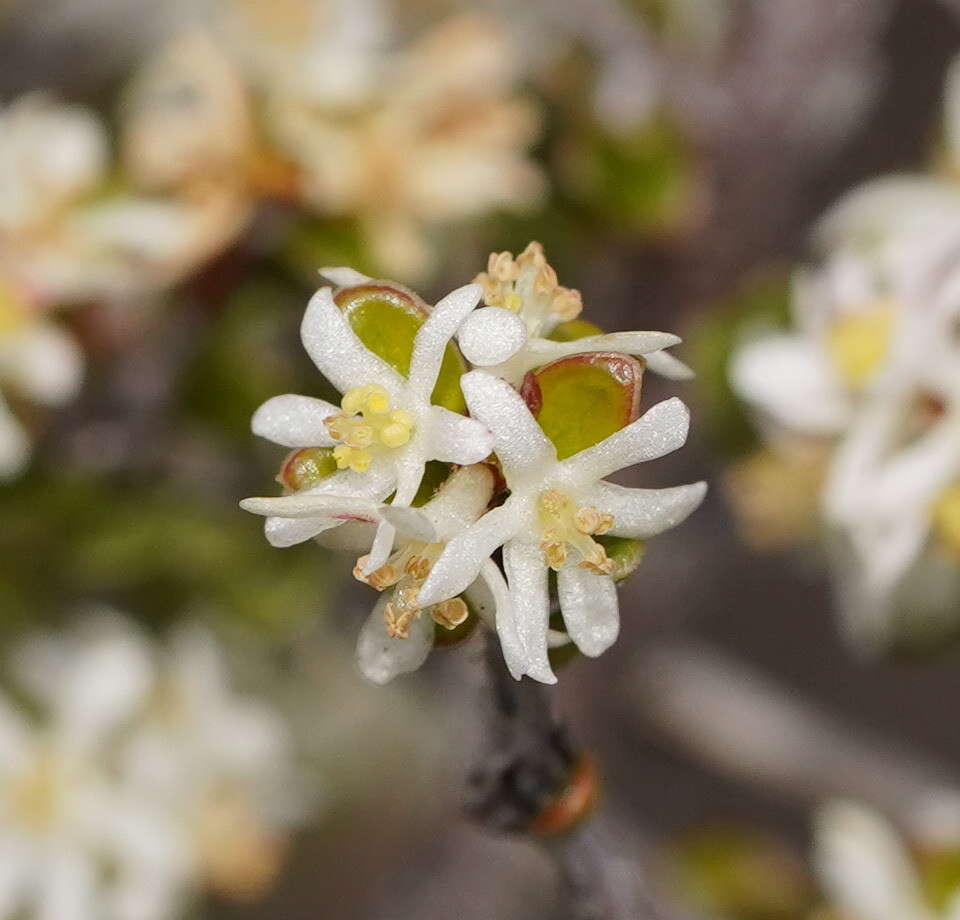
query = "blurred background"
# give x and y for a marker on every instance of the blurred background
(183, 732)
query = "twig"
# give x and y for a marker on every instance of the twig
(747, 727)
(526, 760)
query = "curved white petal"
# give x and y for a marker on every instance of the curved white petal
(336, 508)
(643, 513)
(461, 560)
(503, 616)
(530, 605)
(864, 867)
(337, 351)
(789, 377)
(434, 335)
(344, 276)
(588, 603)
(460, 500)
(666, 365)
(294, 421)
(519, 441)
(381, 657)
(353, 537)
(660, 431)
(409, 477)
(627, 343)
(491, 335)
(282, 532)
(410, 522)
(43, 362)
(457, 439)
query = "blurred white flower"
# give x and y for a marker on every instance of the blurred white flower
(524, 303)
(75, 841)
(39, 363)
(143, 780)
(867, 872)
(554, 509)
(384, 432)
(441, 139)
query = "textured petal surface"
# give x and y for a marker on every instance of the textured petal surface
(518, 440)
(460, 500)
(460, 562)
(627, 343)
(530, 605)
(434, 335)
(457, 439)
(343, 276)
(283, 532)
(643, 513)
(337, 352)
(294, 421)
(588, 603)
(412, 523)
(381, 657)
(491, 335)
(666, 365)
(312, 505)
(661, 430)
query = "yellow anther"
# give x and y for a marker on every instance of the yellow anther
(395, 435)
(377, 401)
(597, 561)
(563, 525)
(359, 436)
(512, 302)
(418, 567)
(400, 417)
(450, 614)
(859, 342)
(354, 399)
(567, 304)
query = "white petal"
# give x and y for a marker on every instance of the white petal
(312, 505)
(68, 885)
(519, 441)
(462, 558)
(666, 365)
(628, 343)
(457, 439)
(864, 867)
(343, 276)
(353, 537)
(382, 657)
(491, 335)
(504, 616)
(643, 513)
(294, 421)
(661, 430)
(790, 378)
(337, 351)
(530, 605)
(283, 532)
(588, 603)
(44, 363)
(409, 477)
(101, 686)
(434, 335)
(411, 522)
(14, 443)
(460, 500)
(15, 869)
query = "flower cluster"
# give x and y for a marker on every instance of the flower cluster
(428, 468)
(136, 778)
(866, 387)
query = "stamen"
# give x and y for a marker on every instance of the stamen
(450, 614)
(366, 422)
(565, 526)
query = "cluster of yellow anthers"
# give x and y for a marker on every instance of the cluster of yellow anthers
(366, 421)
(507, 280)
(562, 524)
(407, 569)
(860, 342)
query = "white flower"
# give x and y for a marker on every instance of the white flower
(554, 509)
(50, 155)
(39, 362)
(524, 302)
(867, 871)
(399, 633)
(439, 138)
(66, 815)
(383, 433)
(220, 766)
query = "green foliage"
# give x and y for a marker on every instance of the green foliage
(582, 399)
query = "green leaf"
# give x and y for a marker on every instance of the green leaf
(582, 399)
(386, 318)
